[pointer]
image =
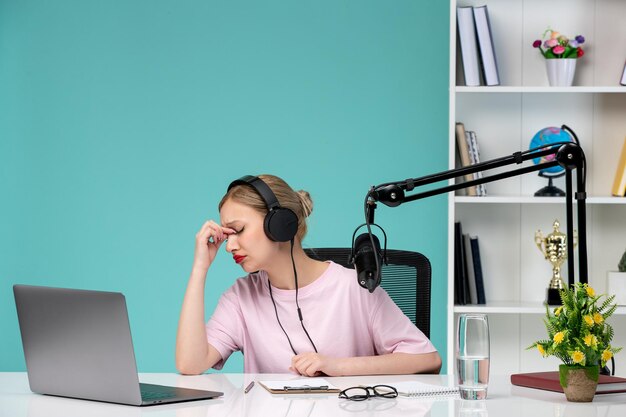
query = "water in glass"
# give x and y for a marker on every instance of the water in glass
(472, 356)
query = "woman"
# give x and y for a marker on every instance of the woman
(290, 313)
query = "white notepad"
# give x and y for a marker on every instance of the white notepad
(421, 389)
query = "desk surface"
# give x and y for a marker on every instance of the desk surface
(504, 399)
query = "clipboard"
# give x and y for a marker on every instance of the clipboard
(300, 386)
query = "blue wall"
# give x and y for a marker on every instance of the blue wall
(122, 122)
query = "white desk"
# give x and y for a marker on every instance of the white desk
(16, 400)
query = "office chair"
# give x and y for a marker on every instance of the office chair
(406, 279)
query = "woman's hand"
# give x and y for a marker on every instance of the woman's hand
(208, 241)
(314, 364)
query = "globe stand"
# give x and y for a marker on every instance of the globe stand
(549, 190)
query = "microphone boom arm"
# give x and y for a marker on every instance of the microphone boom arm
(568, 155)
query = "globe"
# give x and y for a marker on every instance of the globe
(544, 138)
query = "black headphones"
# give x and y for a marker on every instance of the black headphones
(280, 224)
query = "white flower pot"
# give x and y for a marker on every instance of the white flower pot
(561, 71)
(616, 284)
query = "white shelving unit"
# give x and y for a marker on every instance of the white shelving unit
(505, 118)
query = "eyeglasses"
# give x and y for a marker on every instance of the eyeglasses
(363, 393)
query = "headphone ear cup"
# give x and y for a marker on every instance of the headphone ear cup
(281, 224)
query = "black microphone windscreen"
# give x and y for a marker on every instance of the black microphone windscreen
(365, 261)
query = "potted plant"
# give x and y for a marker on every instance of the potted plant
(580, 337)
(561, 54)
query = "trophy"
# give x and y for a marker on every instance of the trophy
(554, 248)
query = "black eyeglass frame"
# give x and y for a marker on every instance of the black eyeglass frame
(389, 392)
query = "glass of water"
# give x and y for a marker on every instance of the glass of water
(472, 356)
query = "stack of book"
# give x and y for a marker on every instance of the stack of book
(469, 286)
(469, 154)
(476, 45)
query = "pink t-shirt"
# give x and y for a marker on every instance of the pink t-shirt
(343, 319)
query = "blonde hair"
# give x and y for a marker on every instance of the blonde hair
(299, 202)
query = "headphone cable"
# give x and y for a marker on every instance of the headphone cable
(295, 275)
(269, 284)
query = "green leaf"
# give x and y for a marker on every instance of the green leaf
(606, 304)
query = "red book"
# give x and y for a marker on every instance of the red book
(550, 381)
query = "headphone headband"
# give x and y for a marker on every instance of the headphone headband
(261, 187)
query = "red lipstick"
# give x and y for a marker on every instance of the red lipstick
(238, 258)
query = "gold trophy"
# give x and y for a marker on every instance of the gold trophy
(554, 248)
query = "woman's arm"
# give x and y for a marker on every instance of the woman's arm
(311, 364)
(194, 354)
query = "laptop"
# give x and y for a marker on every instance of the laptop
(77, 344)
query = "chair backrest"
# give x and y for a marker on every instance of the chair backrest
(406, 278)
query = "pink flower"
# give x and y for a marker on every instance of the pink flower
(558, 50)
(536, 44)
(550, 43)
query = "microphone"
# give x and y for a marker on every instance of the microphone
(365, 261)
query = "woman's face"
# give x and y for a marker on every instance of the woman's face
(250, 246)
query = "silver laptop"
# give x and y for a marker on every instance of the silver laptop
(77, 344)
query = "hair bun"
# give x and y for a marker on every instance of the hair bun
(307, 202)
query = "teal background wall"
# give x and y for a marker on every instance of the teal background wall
(122, 122)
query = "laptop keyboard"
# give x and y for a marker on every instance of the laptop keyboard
(148, 394)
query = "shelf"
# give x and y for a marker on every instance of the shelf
(505, 117)
(503, 307)
(546, 90)
(534, 200)
(513, 307)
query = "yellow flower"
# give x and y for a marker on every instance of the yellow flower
(578, 356)
(597, 317)
(590, 291)
(590, 340)
(558, 310)
(543, 351)
(588, 320)
(558, 338)
(607, 355)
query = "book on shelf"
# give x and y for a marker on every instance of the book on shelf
(474, 152)
(460, 295)
(464, 156)
(469, 45)
(469, 286)
(478, 270)
(485, 42)
(549, 381)
(469, 265)
(623, 80)
(619, 183)
(474, 270)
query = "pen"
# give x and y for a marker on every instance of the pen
(306, 388)
(249, 387)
